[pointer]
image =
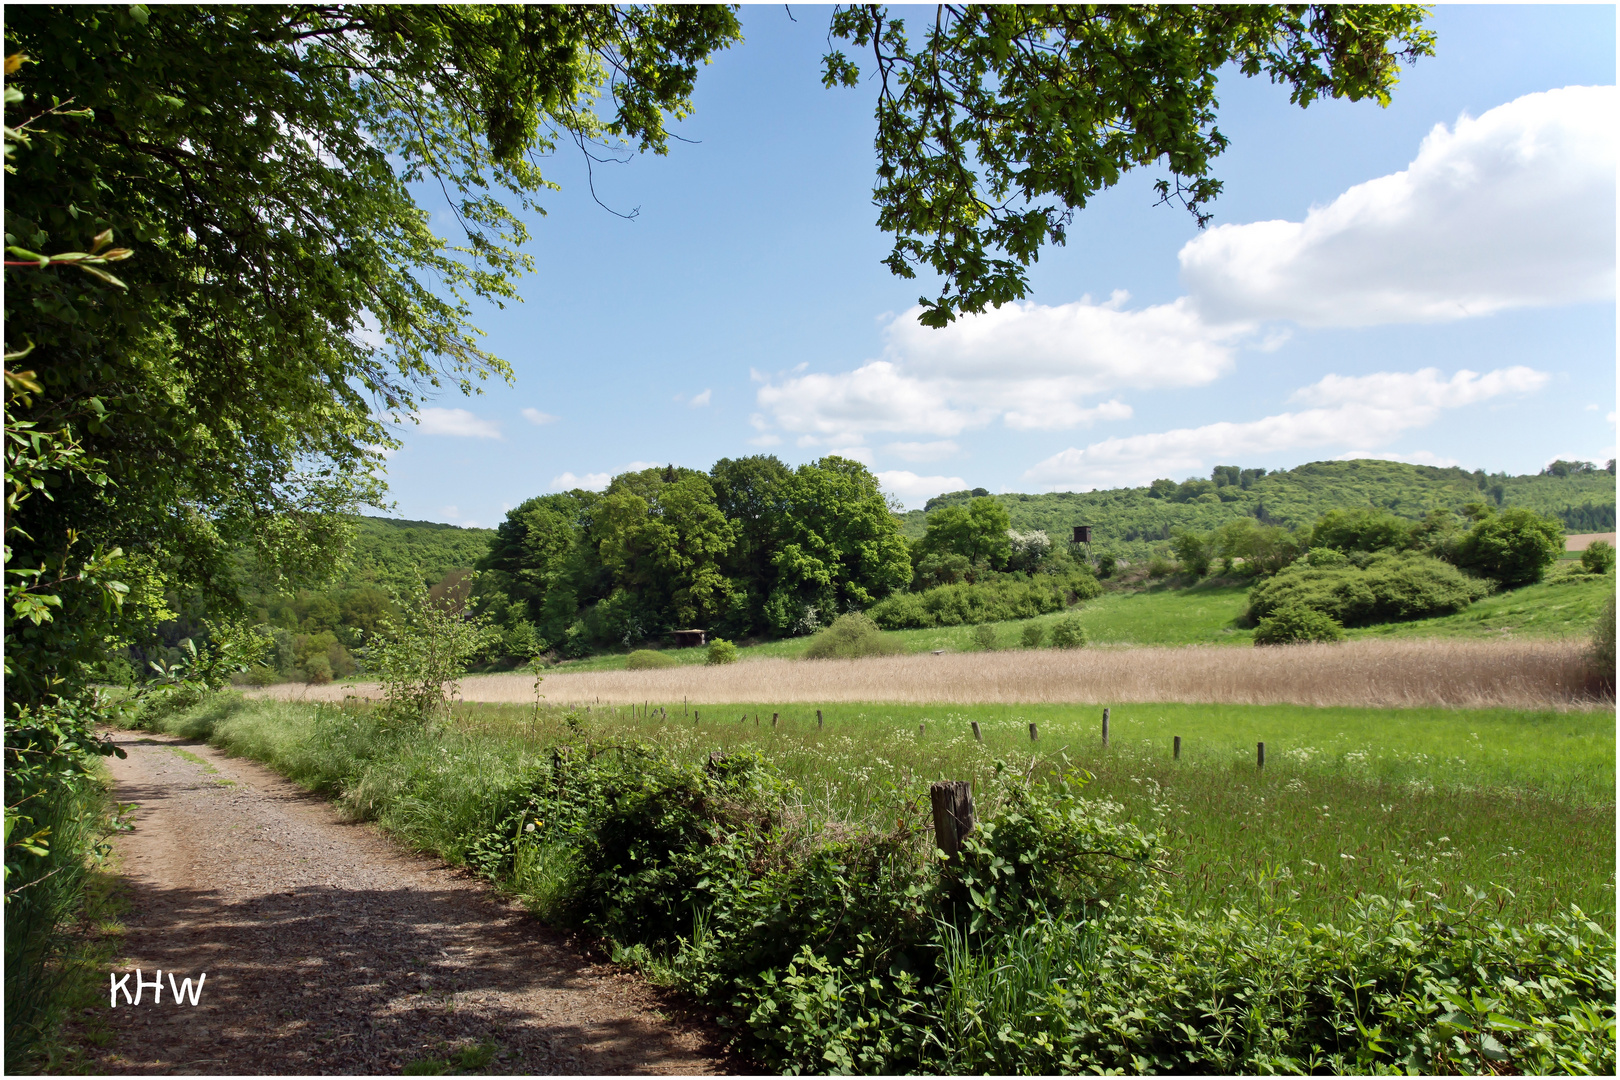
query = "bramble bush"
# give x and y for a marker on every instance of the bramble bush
(1067, 633)
(996, 600)
(850, 637)
(1389, 587)
(1289, 625)
(649, 660)
(1048, 946)
(721, 651)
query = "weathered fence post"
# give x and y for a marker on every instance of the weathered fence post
(1105, 729)
(922, 729)
(818, 719)
(953, 814)
(977, 736)
(1260, 755)
(1177, 752)
(1033, 734)
(773, 718)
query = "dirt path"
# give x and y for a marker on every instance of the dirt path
(328, 950)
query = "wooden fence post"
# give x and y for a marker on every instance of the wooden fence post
(922, 729)
(977, 736)
(1177, 753)
(773, 718)
(818, 719)
(1260, 755)
(953, 814)
(1033, 734)
(1105, 729)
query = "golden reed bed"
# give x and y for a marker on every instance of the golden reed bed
(1534, 674)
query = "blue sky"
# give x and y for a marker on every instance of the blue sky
(1432, 282)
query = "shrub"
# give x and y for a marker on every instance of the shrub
(1033, 635)
(1598, 558)
(850, 637)
(1106, 565)
(1192, 551)
(1603, 645)
(1390, 588)
(722, 651)
(649, 660)
(1514, 547)
(1289, 625)
(984, 637)
(1067, 633)
(1160, 567)
(997, 600)
(317, 671)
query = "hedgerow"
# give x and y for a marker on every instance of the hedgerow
(996, 600)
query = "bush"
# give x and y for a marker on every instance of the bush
(1390, 588)
(850, 637)
(1514, 547)
(1598, 558)
(649, 660)
(1290, 625)
(1160, 567)
(721, 651)
(1603, 645)
(1067, 633)
(997, 600)
(1033, 635)
(984, 637)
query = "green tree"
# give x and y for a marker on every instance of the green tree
(1192, 551)
(288, 296)
(841, 549)
(1055, 103)
(752, 493)
(1363, 529)
(1514, 547)
(663, 541)
(977, 532)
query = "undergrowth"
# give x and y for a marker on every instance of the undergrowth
(1055, 941)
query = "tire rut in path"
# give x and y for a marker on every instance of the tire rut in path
(328, 950)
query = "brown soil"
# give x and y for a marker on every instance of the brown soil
(328, 950)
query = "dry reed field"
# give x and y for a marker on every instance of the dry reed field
(1526, 674)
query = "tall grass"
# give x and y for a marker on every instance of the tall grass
(1351, 802)
(1526, 674)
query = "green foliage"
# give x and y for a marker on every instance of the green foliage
(1389, 588)
(986, 601)
(421, 656)
(1291, 625)
(1603, 643)
(1068, 633)
(1362, 530)
(1191, 551)
(1131, 522)
(1032, 635)
(985, 637)
(722, 651)
(950, 84)
(976, 532)
(1515, 547)
(649, 660)
(850, 637)
(1598, 558)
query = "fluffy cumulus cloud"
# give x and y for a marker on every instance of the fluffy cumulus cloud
(1364, 410)
(567, 481)
(922, 451)
(911, 488)
(1027, 365)
(536, 417)
(456, 422)
(1514, 208)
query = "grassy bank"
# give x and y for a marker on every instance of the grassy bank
(1181, 916)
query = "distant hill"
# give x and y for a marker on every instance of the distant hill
(1129, 521)
(389, 551)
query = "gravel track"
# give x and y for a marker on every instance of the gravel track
(329, 950)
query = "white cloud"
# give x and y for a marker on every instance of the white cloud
(1357, 411)
(700, 400)
(1515, 208)
(457, 422)
(861, 454)
(922, 451)
(913, 488)
(469, 524)
(595, 481)
(449, 512)
(765, 440)
(536, 417)
(1032, 366)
